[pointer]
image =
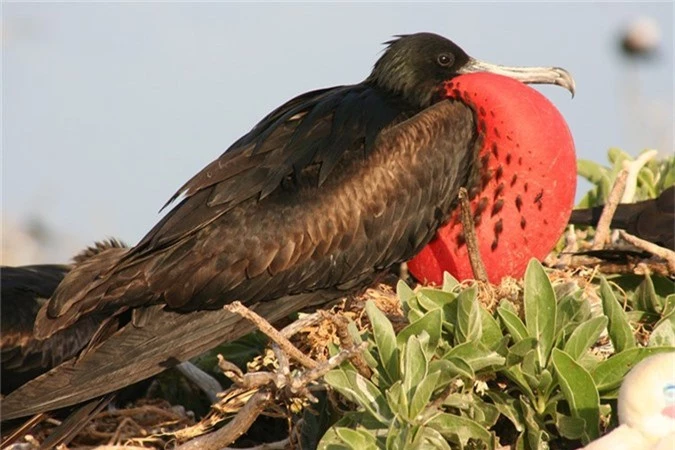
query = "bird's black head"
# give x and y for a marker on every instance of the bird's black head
(414, 66)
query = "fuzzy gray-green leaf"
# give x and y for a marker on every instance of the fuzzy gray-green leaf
(619, 329)
(584, 336)
(469, 325)
(580, 392)
(609, 373)
(513, 324)
(540, 309)
(385, 339)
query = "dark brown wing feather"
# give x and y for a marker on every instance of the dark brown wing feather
(323, 243)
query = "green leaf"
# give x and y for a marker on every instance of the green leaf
(430, 323)
(492, 333)
(357, 439)
(385, 339)
(415, 365)
(439, 298)
(566, 289)
(451, 368)
(540, 309)
(646, 298)
(619, 329)
(469, 326)
(570, 427)
(545, 385)
(521, 442)
(459, 429)
(580, 392)
(406, 295)
(449, 282)
(584, 336)
(513, 324)
(484, 413)
(507, 407)
(609, 373)
(531, 369)
(618, 156)
(664, 333)
(397, 399)
(668, 305)
(432, 439)
(572, 310)
(420, 399)
(477, 355)
(361, 391)
(592, 171)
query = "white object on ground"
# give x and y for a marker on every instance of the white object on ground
(646, 408)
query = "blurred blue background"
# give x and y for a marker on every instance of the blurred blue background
(108, 108)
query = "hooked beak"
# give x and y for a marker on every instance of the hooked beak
(527, 75)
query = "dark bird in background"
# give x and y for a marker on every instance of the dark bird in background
(23, 291)
(652, 220)
(320, 198)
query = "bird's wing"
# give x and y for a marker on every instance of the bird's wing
(370, 213)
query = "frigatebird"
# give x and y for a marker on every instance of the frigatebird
(652, 220)
(322, 196)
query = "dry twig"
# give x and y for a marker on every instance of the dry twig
(346, 341)
(661, 252)
(272, 333)
(235, 428)
(470, 237)
(209, 385)
(602, 230)
(304, 322)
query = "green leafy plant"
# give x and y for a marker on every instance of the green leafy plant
(458, 375)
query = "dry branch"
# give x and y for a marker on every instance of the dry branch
(235, 428)
(661, 252)
(477, 265)
(602, 230)
(205, 382)
(341, 323)
(272, 333)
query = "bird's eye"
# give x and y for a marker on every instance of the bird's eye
(669, 392)
(445, 59)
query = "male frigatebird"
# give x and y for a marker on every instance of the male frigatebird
(324, 194)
